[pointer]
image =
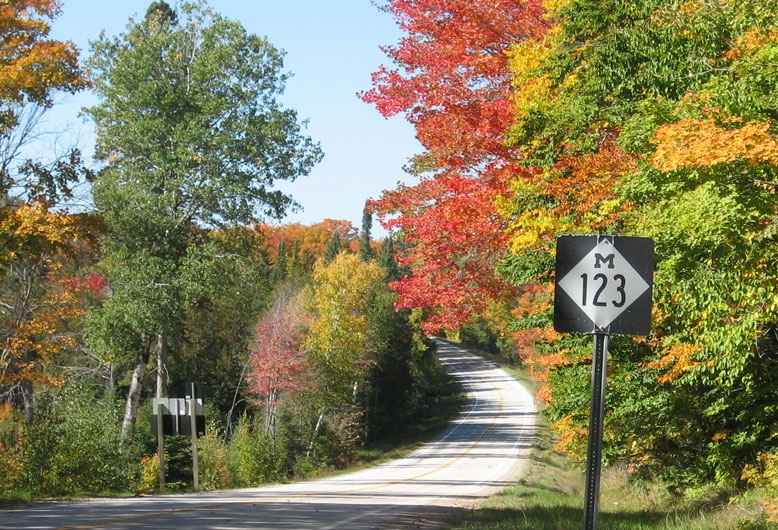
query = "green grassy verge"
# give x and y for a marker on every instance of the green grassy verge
(549, 496)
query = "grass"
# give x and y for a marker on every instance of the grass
(549, 496)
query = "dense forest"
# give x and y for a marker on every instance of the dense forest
(648, 118)
(173, 277)
(652, 118)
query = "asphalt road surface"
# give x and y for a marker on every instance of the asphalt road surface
(482, 451)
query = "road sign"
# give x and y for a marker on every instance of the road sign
(176, 414)
(603, 284)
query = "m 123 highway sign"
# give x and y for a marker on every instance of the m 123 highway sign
(603, 284)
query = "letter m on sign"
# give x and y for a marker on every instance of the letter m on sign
(599, 259)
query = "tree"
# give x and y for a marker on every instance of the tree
(192, 136)
(36, 300)
(312, 239)
(453, 83)
(366, 252)
(388, 260)
(333, 248)
(277, 359)
(279, 265)
(32, 69)
(39, 301)
(340, 342)
(226, 288)
(643, 121)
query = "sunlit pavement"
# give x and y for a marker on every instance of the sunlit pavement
(481, 452)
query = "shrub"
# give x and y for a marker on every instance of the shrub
(149, 476)
(765, 475)
(70, 447)
(213, 463)
(11, 453)
(254, 456)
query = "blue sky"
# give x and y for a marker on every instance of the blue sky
(332, 47)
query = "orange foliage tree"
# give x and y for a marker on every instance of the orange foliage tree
(309, 238)
(32, 69)
(36, 299)
(40, 300)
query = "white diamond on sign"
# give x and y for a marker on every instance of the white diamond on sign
(603, 284)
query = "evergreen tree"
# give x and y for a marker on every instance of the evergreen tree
(366, 252)
(388, 260)
(334, 246)
(279, 265)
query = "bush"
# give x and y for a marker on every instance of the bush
(149, 476)
(765, 475)
(71, 446)
(254, 456)
(11, 450)
(213, 463)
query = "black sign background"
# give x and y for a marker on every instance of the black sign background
(570, 318)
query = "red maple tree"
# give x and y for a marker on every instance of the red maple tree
(276, 359)
(453, 83)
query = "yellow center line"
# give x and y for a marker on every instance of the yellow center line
(215, 505)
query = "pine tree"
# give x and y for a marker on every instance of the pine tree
(388, 261)
(366, 252)
(279, 265)
(334, 246)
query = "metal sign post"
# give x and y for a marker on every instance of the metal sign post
(596, 420)
(603, 286)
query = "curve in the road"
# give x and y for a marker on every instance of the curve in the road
(480, 452)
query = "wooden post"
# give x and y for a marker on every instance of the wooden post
(193, 420)
(161, 446)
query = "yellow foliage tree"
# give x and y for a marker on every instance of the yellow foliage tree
(339, 341)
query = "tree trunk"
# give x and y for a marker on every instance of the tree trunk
(28, 399)
(162, 375)
(271, 408)
(27, 389)
(314, 435)
(133, 397)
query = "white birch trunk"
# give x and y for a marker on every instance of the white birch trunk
(162, 375)
(133, 398)
(313, 436)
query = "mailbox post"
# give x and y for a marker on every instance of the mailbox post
(192, 390)
(171, 416)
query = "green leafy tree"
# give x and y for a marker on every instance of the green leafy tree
(192, 136)
(227, 287)
(661, 118)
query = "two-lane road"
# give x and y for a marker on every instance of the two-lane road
(482, 451)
